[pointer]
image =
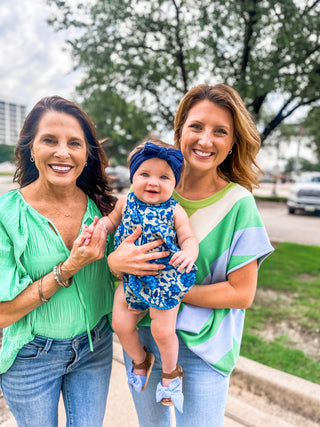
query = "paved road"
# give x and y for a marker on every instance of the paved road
(283, 227)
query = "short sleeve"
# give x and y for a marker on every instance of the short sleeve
(250, 240)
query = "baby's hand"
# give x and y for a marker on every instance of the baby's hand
(182, 259)
(87, 231)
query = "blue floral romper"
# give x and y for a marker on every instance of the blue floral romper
(165, 290)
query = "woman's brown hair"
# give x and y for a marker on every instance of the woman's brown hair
(238, 166)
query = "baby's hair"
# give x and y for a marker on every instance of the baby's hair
(139, 147)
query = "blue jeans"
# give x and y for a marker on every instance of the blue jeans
(44, 367)
(205, 391)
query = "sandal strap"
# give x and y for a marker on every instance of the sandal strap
(146, 363)
(175, 373)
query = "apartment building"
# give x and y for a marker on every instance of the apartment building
(12, 115)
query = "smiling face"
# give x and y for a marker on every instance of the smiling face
(206, 136)
(153, 181)
(59, 149)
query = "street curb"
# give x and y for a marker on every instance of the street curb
(288, 391)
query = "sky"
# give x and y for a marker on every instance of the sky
(33, 60)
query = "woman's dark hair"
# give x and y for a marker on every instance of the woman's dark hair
(93, 179)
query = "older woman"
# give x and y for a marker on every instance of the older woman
(219, 142)
(55, 293)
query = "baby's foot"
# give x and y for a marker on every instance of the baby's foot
(138, 374)
(165, 383)
(171, 394)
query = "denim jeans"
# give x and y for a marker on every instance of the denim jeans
(205, 391)
(45, 367)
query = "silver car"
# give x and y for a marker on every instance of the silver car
(304, 195)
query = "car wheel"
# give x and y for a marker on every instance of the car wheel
(291, 210)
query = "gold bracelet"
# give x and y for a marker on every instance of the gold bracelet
(42, 298)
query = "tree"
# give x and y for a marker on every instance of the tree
(7, 153)
(312, 129)
(304, 166)
(152, 51)
(121, 122)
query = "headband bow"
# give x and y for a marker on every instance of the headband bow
(172, 156)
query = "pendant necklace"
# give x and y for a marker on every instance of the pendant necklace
(62, 213)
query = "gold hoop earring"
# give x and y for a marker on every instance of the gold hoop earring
(230, 151)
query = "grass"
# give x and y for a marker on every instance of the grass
(287, 305)
(272, 198)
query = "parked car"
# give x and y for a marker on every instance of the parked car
(305, 193)
(119, 177)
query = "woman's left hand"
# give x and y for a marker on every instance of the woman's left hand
(131, 259)
(83, 254)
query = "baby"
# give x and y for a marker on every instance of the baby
(155, 169)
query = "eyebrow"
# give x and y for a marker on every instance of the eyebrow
(73, 138)
(217, 125)
(47, 135)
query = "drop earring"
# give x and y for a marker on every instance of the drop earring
(86, 164)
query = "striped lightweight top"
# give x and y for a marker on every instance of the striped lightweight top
(30, 246)
(231, 234)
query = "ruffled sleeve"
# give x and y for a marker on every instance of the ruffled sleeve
(13, 239)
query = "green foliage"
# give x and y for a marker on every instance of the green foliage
(311, 128)
(304, 165)
(290, 281)
(278, 356)
(283, 268)
(7, 153)
(152, 51)
(277, 199)
(121, 124)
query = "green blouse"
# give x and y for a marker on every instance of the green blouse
(30, 246)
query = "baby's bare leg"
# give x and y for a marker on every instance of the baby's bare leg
(124, 323)
(163, 329)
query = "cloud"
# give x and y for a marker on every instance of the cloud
(33, 59)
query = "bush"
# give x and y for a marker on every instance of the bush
(7, 153)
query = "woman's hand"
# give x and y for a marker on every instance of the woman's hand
(85, 253)
(135, 260)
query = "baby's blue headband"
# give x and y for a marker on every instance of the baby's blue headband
(172, 156)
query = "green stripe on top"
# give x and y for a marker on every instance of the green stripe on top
(191, 206)
(209, 329)
(235, 220)
(229, 359)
